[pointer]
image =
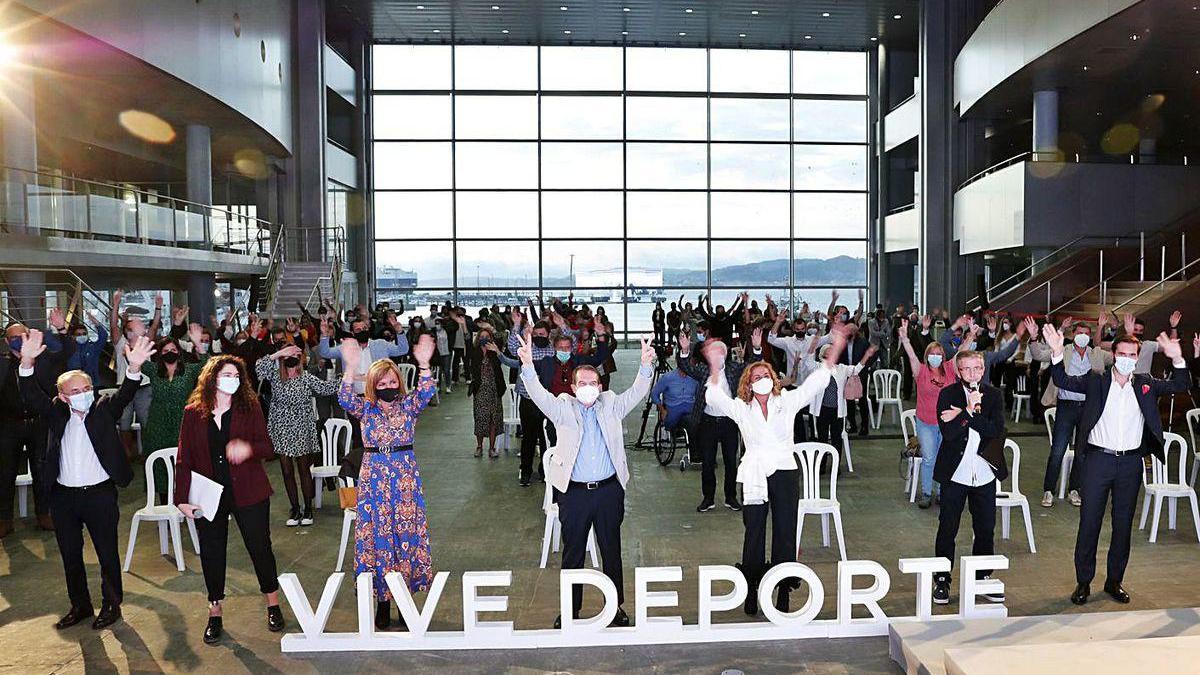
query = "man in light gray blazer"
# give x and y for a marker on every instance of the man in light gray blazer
(587, 466)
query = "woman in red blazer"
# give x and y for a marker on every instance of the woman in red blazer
(224, 438)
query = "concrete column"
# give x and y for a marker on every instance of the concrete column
(18, 116)
(198, 141)
(201, 302)
(876, 204)
(27, 291)
(1045, 121)
(936, 196)
(309, 145)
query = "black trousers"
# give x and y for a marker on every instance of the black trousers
(21, 440)
(532, 442)
(93, 507)
(1066, 418)
(829, 426)
(801, 426)
(710, 432)
(856, 411)
(580, 510)
(981, 501)
(1103, 475)
(459, 362)
(254, 521)
(783, 496)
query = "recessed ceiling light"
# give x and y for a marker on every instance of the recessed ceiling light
(874, 39)
(495, 6)
(1085, 67)
(624, 32)
(420, 6)
(895, 16)
(807, 37)
(1133, 37)
(624, 9)
(505, 31)
(825, 14)
(682, 34)
(688, 10)
(562, 8)
(436, 30)
(566, 32)
(741, 35)
(754, 12)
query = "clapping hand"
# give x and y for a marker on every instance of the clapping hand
(138, 352)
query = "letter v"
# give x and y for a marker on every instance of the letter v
(313, 624)
(416, 620)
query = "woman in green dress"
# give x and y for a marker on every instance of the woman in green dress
(171, 383)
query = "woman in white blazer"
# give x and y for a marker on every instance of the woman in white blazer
(829, 404)
(765, 415)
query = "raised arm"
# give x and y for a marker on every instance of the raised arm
(631, 397)
(914, 362)
(1058, 371)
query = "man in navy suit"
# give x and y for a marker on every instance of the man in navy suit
(1118, 427)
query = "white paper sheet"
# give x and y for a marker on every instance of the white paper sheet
(205, 493)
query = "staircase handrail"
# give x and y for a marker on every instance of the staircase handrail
(1152, 287)
(80, 286)
(274, 265)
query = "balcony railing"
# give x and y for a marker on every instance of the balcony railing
(50, 204)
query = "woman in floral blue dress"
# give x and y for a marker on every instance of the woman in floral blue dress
(390, 532)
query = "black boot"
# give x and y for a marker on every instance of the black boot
(751, 606)
(383, 615)
(781, 597)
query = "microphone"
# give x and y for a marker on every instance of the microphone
(975, 387)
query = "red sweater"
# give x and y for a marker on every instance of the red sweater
(250, 484)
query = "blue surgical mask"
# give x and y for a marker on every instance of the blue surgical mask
(1125, 364)
(971, 346)
(562, 357)
(935, 360)
(82, 402)
(81, 339)
(14, 344)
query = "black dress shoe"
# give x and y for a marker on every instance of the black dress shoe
(621, 620)
(274, 618)
(1080, 596)
(213, 631)
(558, 622)
(73, 617)
(1117, 592)
(383, 615)
(109, 614)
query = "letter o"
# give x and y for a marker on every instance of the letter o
(791, 570)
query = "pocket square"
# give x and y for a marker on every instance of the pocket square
(1145, 389)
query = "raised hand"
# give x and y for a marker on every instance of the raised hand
(57, 320)
(352, 355)
(1053, 338)
(158, 301)
(177, 315)
(903, 330)
(684, 341)
(1196, 345)
(290, 350)
(991, 323)
(31, 347)
(926, 321)
(756, 338)
(647, 352)
(1128, 322)
(423, 350)
(1170, 348)
(525, 351)
(834, 295)
(139, 352)
(195, 332)
(516, 317)
(1101, 321)
(1176, 317)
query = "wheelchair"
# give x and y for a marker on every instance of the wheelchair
(667, 442)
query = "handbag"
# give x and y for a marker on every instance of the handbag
(854, 388)
(347, 497)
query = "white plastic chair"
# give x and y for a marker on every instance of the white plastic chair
(1193, 417)
(409, 371)
(908, 420)
(512, 417)
(168, 516)
(845, 450)
(335, 443)
(1161, 486)
(810, 457)
(552, 533)
(135, 426)
(887, 393)
(436, 373)
(1064, 474)
(348, 517)
(24, 482)
(1020, 399)
(1007, 500)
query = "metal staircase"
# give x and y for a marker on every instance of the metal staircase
(63, 290)
(289, 285)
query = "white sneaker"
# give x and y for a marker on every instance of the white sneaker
(993, 596)
(1048, 499)
(1073, 497)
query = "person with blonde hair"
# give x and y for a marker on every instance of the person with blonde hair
(765, 414)
(292, 422)
(391, 533)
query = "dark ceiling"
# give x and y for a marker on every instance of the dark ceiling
(769, 24)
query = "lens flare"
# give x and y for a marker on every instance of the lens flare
(146, 126)
(250, 163)
(1121, 139)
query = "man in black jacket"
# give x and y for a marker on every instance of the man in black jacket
(1118, 427)
(856, 346)
(82, 468)
(969, 462)
(712, 428)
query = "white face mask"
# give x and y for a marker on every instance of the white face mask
(1125, 364)
(81, 339)
(1082, 339)
(202, 347)
(587, 393)
(763, 386)
(228, 384)
(82, 402)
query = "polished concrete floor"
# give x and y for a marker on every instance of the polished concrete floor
(481, 520)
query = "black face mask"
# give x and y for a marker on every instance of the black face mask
(291, 361)
(387, 395)
(542, 342)
(363, 336)
(169, 357)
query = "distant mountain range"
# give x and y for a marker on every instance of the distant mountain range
(839, 271)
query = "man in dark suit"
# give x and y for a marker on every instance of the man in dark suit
(24, 435)
(83, 465)
(712, 427)
(969, 462)
(1118, 427)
